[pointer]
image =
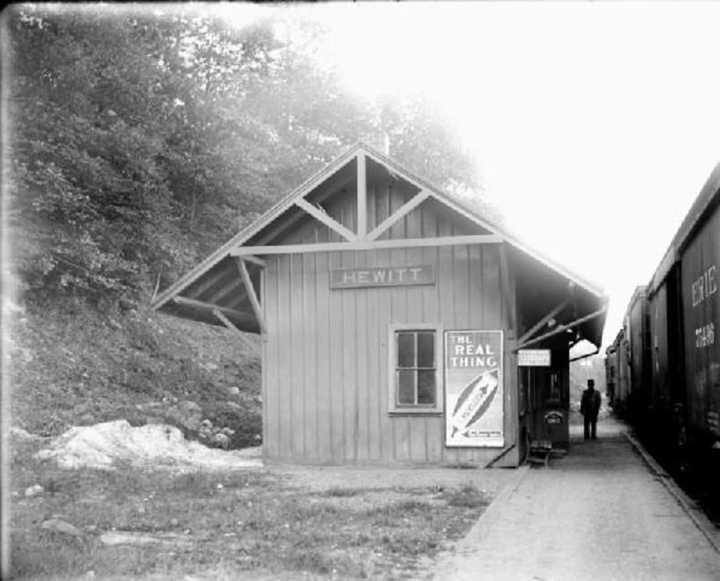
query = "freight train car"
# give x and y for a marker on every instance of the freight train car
(611, 372)
(636, 333)
(673, 356)
(617, 368)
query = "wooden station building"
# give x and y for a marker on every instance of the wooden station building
(397, 325)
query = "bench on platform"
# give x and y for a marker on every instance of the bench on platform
(540, 451)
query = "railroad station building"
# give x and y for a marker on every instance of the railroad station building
(397, 325)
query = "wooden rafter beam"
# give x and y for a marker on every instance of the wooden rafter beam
(400, 213)
(562, 328)
(326, 219)
(250, 289)
(537, 326)
(235, 286)
(210, 282)
(207, 306)
(361, 195)
(229, 324)
(332, 187)
(368, 245)
(255, 260)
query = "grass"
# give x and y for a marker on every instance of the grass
(235, 521)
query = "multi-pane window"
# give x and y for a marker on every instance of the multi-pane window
(415, 384)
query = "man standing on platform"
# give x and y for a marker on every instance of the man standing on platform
(589, 408)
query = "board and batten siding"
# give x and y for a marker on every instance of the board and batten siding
(326, 380)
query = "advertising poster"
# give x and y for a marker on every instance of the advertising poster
(474, 388)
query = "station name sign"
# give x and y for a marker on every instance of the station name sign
(534, 358)
(381, 276)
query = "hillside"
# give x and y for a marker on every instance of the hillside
(140, 141)
(72, 365)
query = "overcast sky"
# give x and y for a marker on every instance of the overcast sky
(594, 125)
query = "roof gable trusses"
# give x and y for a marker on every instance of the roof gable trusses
(360, 237)
(349, 173)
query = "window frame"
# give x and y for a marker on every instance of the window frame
(393, 407)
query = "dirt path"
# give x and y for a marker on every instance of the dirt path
(597, 514)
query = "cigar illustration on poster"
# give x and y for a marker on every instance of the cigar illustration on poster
(474, 388)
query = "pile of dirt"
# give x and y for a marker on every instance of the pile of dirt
(108, 444)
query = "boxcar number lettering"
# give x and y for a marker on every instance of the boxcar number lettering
(705, 336)
(704, 286)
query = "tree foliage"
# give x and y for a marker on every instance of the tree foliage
(141, 140)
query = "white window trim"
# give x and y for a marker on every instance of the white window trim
(393, 409)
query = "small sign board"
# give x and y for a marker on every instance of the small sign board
(554, 417)
(534, 358)
(374, 276)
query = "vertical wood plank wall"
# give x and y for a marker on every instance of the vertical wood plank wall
(325, 366)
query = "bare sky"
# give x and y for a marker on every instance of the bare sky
(594, 125)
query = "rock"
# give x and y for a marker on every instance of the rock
(174, 522)
(34, 490)
(221, 440)
(87, 419)
(127, 538)
(23, 435)
(167, 539)
(104, 445)
(234, 391)
(126, 304)
(61, 526)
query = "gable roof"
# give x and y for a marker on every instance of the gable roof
(321, 176)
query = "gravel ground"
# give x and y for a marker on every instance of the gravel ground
(597, 514)
(325, 477)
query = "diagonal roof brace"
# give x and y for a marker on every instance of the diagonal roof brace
(563, 328)
(537, 326)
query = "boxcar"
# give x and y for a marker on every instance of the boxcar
(621, 352)
(671, 386)
(636, 331)
(611, 373)
(699, 254)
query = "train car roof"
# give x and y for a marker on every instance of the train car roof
(705, 203)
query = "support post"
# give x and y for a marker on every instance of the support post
(507, 288)
(250, 289)
(361, 195)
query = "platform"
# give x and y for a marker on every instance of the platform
(599, 513)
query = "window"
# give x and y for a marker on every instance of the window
(414, 358)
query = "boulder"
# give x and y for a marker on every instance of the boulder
(60, 526)
(34, 490)
(163, 446)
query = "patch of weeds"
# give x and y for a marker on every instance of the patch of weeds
(469, 496)
(339, 492)
(400, 508)
(323, 563)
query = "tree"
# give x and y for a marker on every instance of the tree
(142, 139)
